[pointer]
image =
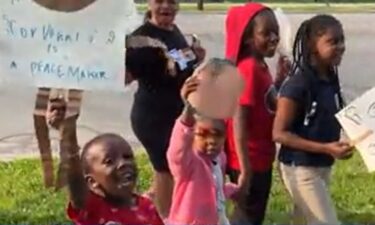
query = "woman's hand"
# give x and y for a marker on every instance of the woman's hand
(200, 53)
(198, 50)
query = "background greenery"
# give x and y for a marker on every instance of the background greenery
(23, 200)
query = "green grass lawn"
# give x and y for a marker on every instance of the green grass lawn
(288, 6)
(23, 200)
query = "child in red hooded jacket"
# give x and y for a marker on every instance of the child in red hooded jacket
(253, 35)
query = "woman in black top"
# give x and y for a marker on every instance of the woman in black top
(157, 102)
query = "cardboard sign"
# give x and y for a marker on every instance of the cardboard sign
(217, 95)
(81, 49)
(358, 122)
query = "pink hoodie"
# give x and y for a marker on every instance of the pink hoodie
(194, 196)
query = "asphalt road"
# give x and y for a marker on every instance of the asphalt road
(109, 112)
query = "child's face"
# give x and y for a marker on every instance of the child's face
(265, 36)
(209, 137)
(112, 168)
(330, 46)
(163, 11)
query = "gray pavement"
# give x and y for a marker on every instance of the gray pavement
(109, 112)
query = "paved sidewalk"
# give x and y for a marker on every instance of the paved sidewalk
(24, 145)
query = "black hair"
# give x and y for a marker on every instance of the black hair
(147, 16)
(100, 139)
(248, 32)
(308, 31)
(216, 65)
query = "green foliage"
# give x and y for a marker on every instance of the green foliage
(23, 200)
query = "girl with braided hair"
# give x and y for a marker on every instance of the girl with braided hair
(305, 123)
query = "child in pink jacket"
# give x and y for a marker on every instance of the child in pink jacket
(196, 160)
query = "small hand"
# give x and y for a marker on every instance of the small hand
(339, 150)
(56, 111)
(190, 86)
(128, 78)
(283, 68)
(243, 187)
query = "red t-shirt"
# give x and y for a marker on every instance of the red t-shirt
(261, 147)
(100, 212)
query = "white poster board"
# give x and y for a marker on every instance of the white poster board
(285, 47)
(358, 122)
(84, 49)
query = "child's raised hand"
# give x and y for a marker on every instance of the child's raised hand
(190, 85)
(56, 110)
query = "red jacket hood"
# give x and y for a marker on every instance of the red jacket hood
(237, 19)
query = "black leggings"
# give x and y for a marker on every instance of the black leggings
(256, 201)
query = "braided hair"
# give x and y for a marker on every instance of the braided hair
(308, 31)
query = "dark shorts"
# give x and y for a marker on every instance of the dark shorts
(255, 204)
(153, 128)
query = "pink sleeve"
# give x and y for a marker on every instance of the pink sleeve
(247, 69)
(180, 152)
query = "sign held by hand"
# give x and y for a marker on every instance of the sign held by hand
(358, 122)
(79, 49)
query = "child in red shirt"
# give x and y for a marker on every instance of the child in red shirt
(252, 35)
(101, 182)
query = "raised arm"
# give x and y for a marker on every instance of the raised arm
(70, 158)
(76, 182)
(180, 151)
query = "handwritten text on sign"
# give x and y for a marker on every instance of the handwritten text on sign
(357, 119)
(82, 50)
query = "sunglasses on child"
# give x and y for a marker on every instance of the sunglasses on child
(206, 133)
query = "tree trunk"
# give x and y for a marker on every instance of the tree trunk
(200, 5)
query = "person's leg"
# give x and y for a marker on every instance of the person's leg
(154, 133)
(163, 192)
(296, 215)
(42, 135)
(257, 199)
(309, 192)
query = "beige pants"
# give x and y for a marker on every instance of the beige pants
(308, 188)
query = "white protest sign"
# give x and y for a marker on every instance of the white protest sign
(285, 46)
(358, 122)
(83, 49)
